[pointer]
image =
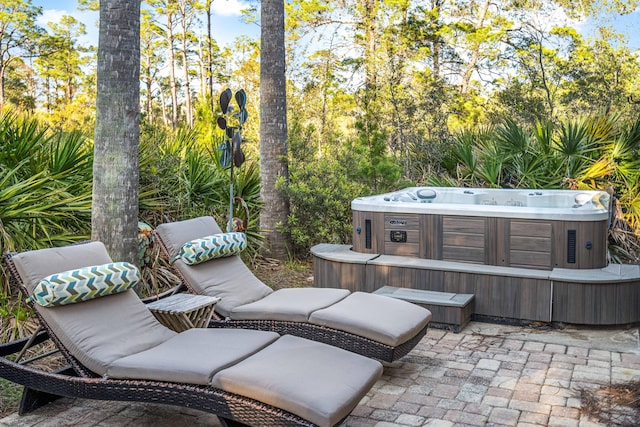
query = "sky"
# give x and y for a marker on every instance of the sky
(629, 25)
(227, 23)
(226, 19)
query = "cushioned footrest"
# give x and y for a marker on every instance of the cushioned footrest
(379, 318)
(315, 381)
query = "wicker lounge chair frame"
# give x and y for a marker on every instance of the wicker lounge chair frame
(345, 340)
(75, 380)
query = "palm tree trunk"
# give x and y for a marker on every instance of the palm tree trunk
(114, 217)
(273, 128)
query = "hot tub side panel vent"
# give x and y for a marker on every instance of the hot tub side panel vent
(367, 233)
(571, 246)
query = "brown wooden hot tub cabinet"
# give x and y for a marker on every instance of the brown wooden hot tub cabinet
(509, 242)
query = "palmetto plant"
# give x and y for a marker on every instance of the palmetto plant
(464, 155)
(178, 179)
(37, 212)
(45, 186)
(624, 155)
(575, 145)
(587, 153)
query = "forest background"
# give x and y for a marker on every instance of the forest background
(381, 95)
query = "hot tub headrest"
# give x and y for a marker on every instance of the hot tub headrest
(426, 193)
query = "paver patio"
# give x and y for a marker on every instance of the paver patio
(487, 375)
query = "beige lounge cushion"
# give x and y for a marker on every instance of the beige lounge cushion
(90, 330)
(228, 278)
(379, 318)
(334, 380)
(291, 304)
(193, 356)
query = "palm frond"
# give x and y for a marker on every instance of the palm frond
(511, 139)
(543, 136)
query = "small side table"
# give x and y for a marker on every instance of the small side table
(184, 311)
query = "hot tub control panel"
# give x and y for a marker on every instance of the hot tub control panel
(402, 235)
(398, 236)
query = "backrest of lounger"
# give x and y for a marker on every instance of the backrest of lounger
(228, 278)
(98, 331)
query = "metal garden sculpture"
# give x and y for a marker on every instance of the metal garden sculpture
(232, 156)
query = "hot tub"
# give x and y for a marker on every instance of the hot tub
(541, 229)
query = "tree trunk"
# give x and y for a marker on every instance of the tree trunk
(187, 85)
(114, 217)
(47, 85)
(475, 49)
(2, 72)
(273, 128)
(209, 56)
(148, 81)
(369, 23)
(203, 74)
(545, 80)
(184, 19)
(436, 44)
(163, 103)
(172, 71)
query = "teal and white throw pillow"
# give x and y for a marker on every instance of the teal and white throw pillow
(85, 283)
(210, 247)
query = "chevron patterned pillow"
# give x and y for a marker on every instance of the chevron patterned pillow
(210, 247)
(85, 283)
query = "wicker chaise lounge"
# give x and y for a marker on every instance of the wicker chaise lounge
(372, 325)
(117, 350)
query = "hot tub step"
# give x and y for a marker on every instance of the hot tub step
(450, 311)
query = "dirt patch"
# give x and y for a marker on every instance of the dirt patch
(279, 275)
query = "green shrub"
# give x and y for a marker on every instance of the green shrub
(320, 194)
